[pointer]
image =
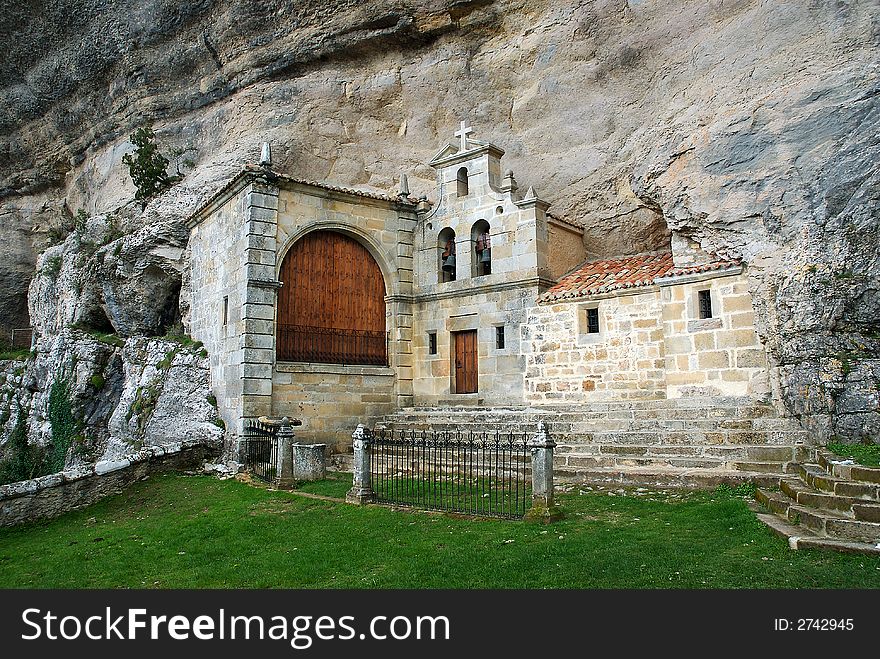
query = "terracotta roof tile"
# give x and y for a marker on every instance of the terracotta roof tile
(604, 276)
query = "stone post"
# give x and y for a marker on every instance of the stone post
(543, 508)
(284, 477)
(361, 491)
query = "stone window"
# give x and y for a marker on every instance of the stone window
(592, 321)
(482, 255)
(499, 337)
(704, 301)
(225, 310)
(589, 328)
(432, 343)
(462, 182)
(446, 245)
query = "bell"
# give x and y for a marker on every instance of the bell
(449, 263)
(485, 256)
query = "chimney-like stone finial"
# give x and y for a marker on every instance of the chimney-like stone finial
(404, 186)
(266, 155)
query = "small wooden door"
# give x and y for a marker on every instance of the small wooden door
(465, 362)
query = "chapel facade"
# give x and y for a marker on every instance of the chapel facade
(338, 306)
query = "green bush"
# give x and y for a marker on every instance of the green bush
(52, 267)
(146, 166)
(22, 461)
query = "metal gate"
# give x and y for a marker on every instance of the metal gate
(258, 450)
(483, 474)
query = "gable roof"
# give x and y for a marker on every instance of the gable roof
(250, 171)
(624, 272)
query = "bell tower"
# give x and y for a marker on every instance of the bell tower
(481, 259)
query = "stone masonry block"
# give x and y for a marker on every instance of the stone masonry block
(262, 200)
(258, 386)
(741, 320)
(679, 344)
(750, 359)
(716, 359)
(737, 303)
(258, 311)
(704, 341)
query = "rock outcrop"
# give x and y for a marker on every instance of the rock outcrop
(748, 127)
(124, 395)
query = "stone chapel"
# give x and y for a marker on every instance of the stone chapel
(338, 306)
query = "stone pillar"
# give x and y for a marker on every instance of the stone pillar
(543, 508)
(284, 473)
(361, 491)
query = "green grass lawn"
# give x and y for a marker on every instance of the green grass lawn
(195, 531)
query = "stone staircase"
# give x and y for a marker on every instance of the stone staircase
(688, 443)
(825, 502)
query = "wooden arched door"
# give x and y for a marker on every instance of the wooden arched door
(331, 307)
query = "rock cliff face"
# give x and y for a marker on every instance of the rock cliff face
(123, 395)
(750, 127)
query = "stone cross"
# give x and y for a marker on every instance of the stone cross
(463, 133)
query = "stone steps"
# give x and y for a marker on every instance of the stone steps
(826, 500)
(732, 436)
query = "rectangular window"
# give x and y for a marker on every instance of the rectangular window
(592, 321)
(225, 310)
(704, 299)
(499, 337)
(432, 343)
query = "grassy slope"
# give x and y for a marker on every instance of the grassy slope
(177, 531)
(864, 454)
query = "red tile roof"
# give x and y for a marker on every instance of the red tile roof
(595, 277)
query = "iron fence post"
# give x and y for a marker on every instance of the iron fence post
(361, 491)
(284, 476)
(543, 507)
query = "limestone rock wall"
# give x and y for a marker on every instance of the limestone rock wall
(749, 127)
(125, 395)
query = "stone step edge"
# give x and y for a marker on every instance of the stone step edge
(846, 469)
(782, 506)
(799, 538)
(865, 510)
(776, 468)
(668, 478)
(815, 476)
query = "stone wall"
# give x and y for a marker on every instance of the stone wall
(651, 344)
(721, 355)
(215, 249)
(53, 495)
(331, 399)
(500, 379)
(566, 247)
(624, 360)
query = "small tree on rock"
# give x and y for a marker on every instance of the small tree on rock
(147, 166)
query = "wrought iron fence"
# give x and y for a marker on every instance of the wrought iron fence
(484, 474)
(258, 449)
(331, 346)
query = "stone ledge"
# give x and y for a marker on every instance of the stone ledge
(334, 369)
(55, 494)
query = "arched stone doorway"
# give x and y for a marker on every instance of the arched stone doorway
(331, 307)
